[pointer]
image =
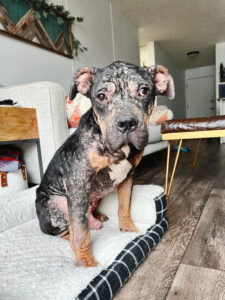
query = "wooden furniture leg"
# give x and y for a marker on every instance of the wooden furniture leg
(174, 169)
(167, 166)
(194, 159)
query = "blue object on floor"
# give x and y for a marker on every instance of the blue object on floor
(183, 149)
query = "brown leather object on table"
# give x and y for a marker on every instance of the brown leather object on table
(193, 124)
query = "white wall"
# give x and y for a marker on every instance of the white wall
(95, 32)
(106, 32)
(178, 105)
(125, 38)
(21, 63)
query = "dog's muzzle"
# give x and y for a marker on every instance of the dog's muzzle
(126, 130)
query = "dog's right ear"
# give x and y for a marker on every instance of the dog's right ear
(81, 81)
(163, 81)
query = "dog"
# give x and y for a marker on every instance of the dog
(102, 153)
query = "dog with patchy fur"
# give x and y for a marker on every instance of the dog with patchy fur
(102, 153)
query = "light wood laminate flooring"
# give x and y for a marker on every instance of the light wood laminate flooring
(189, 262)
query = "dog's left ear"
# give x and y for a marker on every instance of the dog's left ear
(163, 81)
(81, 81)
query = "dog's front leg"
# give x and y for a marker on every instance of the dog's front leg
(124, 198)
(78, 204)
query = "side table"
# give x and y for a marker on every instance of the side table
(19, 125)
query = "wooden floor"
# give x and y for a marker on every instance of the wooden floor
(189, 262)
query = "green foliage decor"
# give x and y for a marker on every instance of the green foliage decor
(42, 8)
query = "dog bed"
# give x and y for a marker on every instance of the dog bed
(37, 266)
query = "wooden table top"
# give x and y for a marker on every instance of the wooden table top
(18, 123)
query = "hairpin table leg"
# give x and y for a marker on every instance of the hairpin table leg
(167, 166)
(174, 169)
(194, 160)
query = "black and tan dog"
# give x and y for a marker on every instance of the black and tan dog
(102, 154)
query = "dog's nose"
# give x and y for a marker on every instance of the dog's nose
(126, 124)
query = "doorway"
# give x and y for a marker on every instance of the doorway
(200, 94)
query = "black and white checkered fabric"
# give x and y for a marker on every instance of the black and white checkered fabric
(109, 281)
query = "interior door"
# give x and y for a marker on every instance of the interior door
(200, 97)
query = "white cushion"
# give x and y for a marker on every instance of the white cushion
(142, 207)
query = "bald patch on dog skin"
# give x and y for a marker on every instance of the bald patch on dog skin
(110, 87)
(58, 211)
(133, 86)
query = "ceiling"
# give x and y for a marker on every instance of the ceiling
(179, 26)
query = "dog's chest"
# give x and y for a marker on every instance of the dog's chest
(108, 179)
(118, 172)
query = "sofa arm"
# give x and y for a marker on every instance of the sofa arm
(49, 100)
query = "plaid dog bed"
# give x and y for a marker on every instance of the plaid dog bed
(109, 281)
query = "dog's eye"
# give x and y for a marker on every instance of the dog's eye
(144, 91)
(101, 97)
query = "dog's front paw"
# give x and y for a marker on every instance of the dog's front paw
(127, 225)
(85, 258)
(87, 262)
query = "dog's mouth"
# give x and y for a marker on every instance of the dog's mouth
(126, 143)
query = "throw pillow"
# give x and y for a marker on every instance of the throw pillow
(76, 108)
(160, 114)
